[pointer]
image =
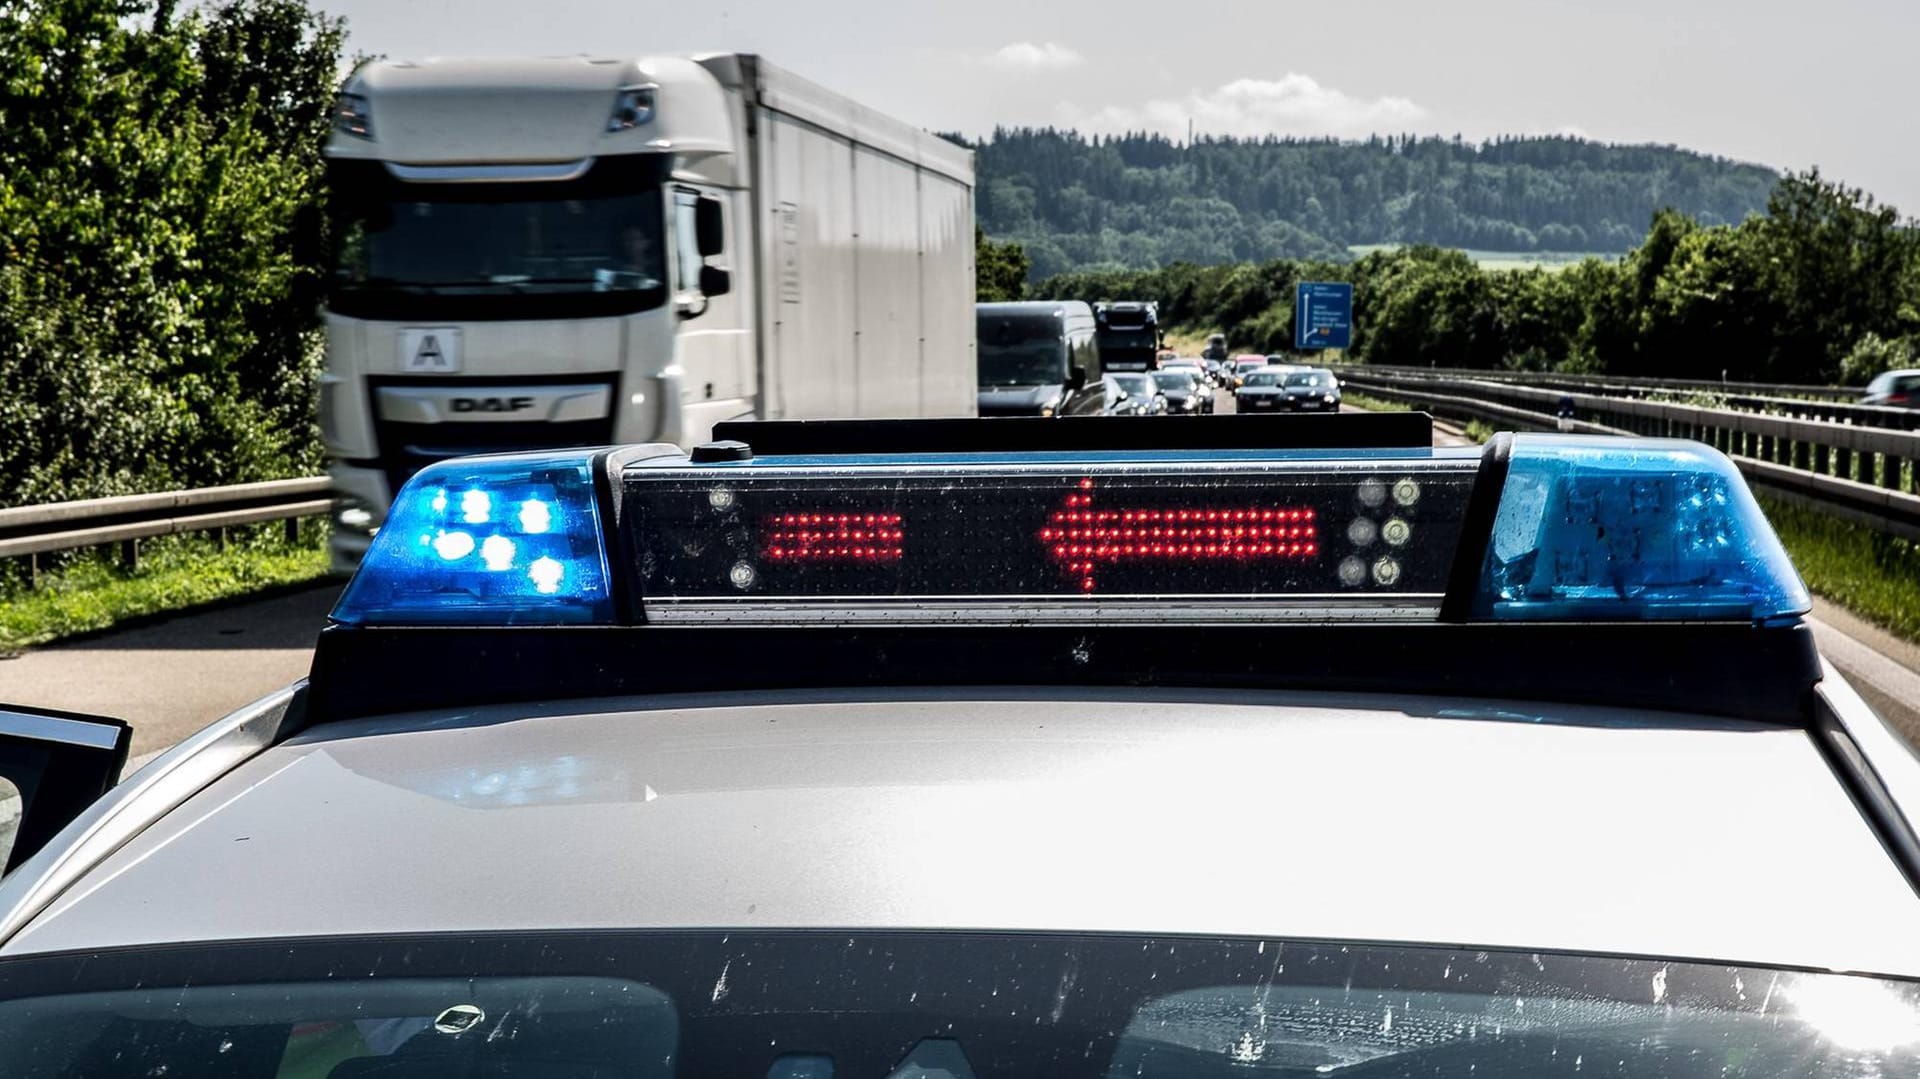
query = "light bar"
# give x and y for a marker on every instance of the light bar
(1600, 529)
(1190, 537)
(1583, 530)
(506, 540)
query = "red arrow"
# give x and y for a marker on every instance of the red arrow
(1081, 538)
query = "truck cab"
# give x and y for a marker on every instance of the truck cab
(576, 251)
(1129, 335)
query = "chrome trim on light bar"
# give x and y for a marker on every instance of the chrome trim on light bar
(1187, 610)
(1330, 469)
(470, 174)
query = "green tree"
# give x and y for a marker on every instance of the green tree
(1140, 201)
(1000, 269)
(153, 328)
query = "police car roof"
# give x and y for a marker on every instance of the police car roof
(1447, 820)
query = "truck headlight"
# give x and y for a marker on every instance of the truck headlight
(353, 515)
(1050, 407)
(632, 107)
(351, 115)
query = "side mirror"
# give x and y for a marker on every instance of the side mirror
(715, 281)
(707, 229)
(56, 764)
(1076, 377)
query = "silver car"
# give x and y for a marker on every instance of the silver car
(1898, 388)
(809, 755)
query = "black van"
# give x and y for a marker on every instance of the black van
(1038, 359)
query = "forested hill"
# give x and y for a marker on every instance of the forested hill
(1142, 200)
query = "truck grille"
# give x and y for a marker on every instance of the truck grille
(406, 448)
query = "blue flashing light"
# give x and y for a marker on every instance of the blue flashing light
(1598, 529)
(507, 540)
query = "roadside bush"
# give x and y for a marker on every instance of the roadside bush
(160, 243)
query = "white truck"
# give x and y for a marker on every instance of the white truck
(580, 251)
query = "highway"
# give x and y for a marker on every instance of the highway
(171, 676)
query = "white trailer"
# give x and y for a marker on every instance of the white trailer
(581, 251)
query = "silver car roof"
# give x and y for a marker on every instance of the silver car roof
(1549, 827)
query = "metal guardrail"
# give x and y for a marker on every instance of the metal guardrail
(1739, 396)
(31, 531)
(1637, 386)
(1862, 474)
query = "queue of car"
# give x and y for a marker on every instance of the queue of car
(1288, 388)
(1043, 358)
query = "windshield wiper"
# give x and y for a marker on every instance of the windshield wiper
(409, 283)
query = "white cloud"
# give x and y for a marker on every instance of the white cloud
(1293, 104)
(1026, 56)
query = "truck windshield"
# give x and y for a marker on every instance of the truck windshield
(1129, 339)
(595, 245)
(880, 1005)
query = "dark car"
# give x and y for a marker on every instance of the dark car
(1132, 393)
(1260, 391)
(1900, 389)
(1315, 390)
(1186, 395)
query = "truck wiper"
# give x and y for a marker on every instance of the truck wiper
(420, 286)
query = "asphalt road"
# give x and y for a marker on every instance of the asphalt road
(171, 677)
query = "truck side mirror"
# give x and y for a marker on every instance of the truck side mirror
(708, 231)
(1076, 377)
(715, 281)
(56, 764)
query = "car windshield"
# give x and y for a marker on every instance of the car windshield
(1309, 379)
(1263, 378)
(798, 1005)
(1023, 363)
(1132, 385)
(1174, 381)
(1021, 350)
(527, 243)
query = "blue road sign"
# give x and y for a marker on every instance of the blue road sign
(1323, 315)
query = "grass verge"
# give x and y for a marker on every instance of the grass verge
(90, 591)
(1875, 576)
(1372, 404)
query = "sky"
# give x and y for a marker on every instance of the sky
(1786, 84)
